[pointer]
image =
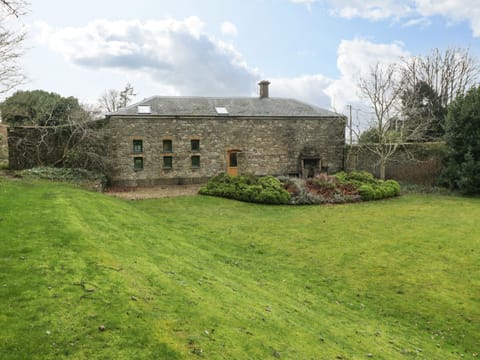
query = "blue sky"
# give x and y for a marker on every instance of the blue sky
(313, 50)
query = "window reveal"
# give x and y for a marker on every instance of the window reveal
(167, 146)
(195, 145)
(138, 163)
(138, 146)
(195, 161)
(167, 162)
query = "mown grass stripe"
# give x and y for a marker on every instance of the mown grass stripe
(179, 277)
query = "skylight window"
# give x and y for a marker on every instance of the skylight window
(144, 109)
(221, 110)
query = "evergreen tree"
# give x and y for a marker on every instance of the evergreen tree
(423, 113)
(40, 108)
(463, 140)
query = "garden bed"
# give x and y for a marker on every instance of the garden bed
(323, 189)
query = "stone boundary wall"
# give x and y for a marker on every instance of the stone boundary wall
(419, 163)
(3, 143)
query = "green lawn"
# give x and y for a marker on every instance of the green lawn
(202, 277)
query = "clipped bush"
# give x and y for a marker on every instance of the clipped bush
(367, 192)
(323, 189)
(368, 187)
(264, 190)
(394, 186)
(356, 178)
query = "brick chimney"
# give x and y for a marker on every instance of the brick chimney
(263, 85)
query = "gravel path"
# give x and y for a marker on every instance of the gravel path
(153, 192)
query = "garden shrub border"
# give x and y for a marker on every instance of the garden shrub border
(324, 189)
(263, 190)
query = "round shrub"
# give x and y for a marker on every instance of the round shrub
(265, 190)
(368, 187)
(395, 186)
(356, 178)
(379, 192)
(367, 192)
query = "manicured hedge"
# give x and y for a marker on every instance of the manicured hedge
(264, 190)
(368, 187)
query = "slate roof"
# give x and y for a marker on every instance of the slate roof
(205, 106)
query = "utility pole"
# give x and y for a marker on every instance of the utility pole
(350, 124)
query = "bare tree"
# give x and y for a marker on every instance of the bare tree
(432, 82)
(10, 45)
(449, 74)
(381, 88)
(14, 7)
(93, 110)
(126, 95)
(84, 144)
(113, 100)
(109, 101)
(79, 142)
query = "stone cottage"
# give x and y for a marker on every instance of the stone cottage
(179, 140)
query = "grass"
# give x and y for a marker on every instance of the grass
(202, 277)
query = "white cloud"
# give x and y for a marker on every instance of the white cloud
(420, 22)
(308, 88)
(308, 3)
(354, 60)
(229, 29)
(370, 9)
(416, 11)
(178, 58)
(304, 1)
(355, 57)
(458, 10)
(177, 55)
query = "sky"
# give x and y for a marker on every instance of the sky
(311, 50)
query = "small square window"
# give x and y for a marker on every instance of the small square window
(138, 146)
(138, 163)
(167, 162)
(195, 161)
(195, 144)
(167, 146)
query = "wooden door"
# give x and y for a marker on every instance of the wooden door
(232, 162)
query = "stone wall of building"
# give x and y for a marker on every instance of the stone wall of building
(266, 146)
